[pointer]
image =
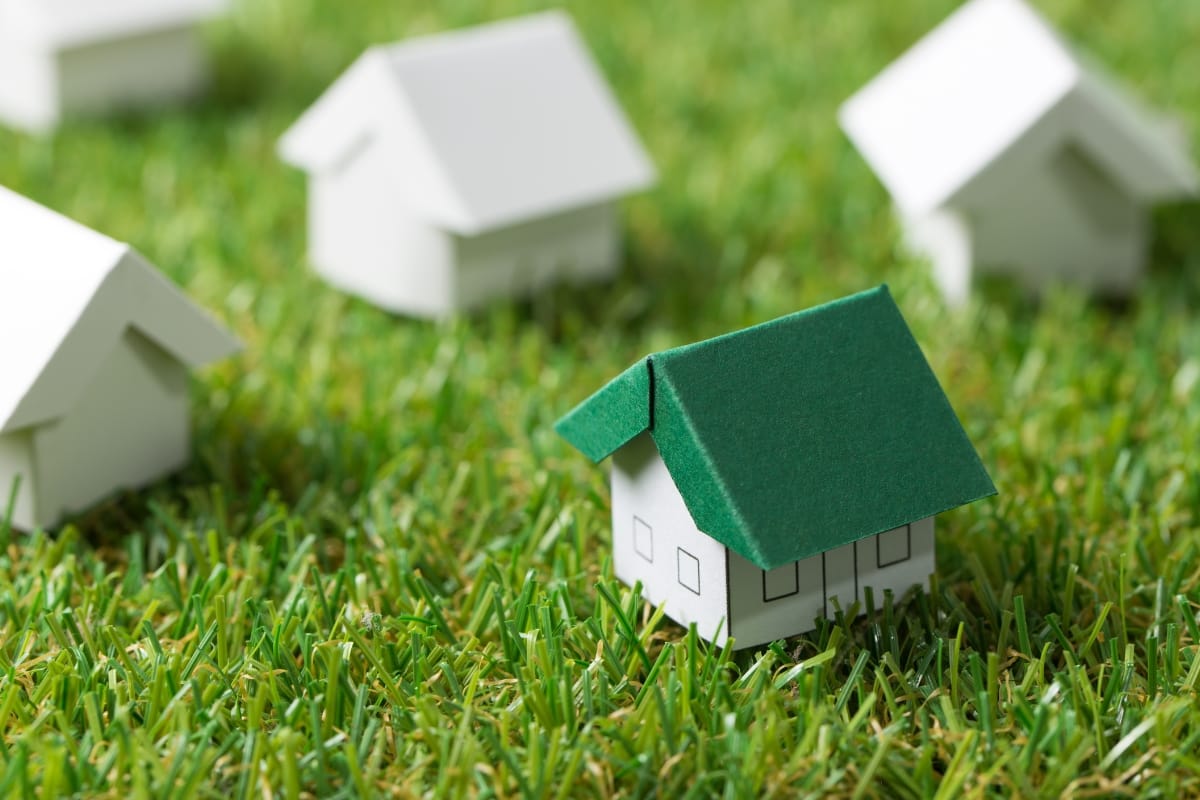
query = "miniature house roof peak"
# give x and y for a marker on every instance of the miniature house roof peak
(489, 126)
(936, 118)
(60, 24)
(797, 435)
(66, 294)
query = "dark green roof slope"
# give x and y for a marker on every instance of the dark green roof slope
(798, 435)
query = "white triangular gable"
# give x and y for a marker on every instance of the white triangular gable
(67, 294)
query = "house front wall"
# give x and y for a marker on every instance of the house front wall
(132, 71)
(656, 543)
(575, 246)
(16, 472)
(130, 427)
(363, 241)
(765, 606)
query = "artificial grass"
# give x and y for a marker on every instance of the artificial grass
(385, 574)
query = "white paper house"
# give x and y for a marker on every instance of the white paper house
(95, 352)
(452, 169)
(67, 57)
(1006, 152)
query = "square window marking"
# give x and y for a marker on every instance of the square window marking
(688, 567)
(643, 539)
(893, 547)
(781, 582)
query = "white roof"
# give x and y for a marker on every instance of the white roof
(482, 127)
(67, 23)
(950, 106)
(67, 294)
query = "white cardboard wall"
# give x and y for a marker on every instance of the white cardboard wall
(364, 241)
(28, 91)
(842, 573)
(129, 73)
(131, 427)
(642, 489)
(576, 247)
(16, 461)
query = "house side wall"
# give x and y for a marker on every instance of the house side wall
(16, 462)
(656, 542)
(363, 241)
(576, 246)
(132, 71)
(129, 428)
(787, 601)
(28, 90)
(882, 564)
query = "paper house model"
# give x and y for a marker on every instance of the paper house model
(1007, 153)
(66, 57)
(449, 170)
(761, 476)
(96, 348)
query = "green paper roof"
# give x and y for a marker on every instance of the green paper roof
(798, 435)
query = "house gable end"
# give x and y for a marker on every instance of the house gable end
(1093, 147)
(365, 113)
(1135, 145)
(133, 295)
(129, 425)
(613, 416)
(1103, 204)
(161, 312)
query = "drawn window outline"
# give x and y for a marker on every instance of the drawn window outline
(643, 539)
(773, 594)
(693, 567)
(879, 562)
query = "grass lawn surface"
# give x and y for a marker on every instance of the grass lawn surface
(385, 575)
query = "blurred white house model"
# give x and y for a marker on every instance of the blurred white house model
(65, 57)
(451, 169)
(95, 348)
(1007, 153)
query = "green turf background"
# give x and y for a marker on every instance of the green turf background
(386, 574)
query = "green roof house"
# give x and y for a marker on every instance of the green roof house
(761, 475)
